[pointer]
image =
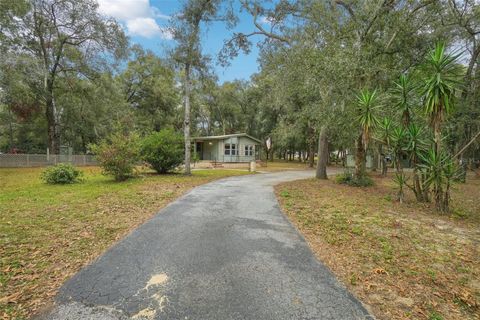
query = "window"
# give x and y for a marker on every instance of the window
(248, 150)
(230, 149)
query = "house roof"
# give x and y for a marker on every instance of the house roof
(226, 136)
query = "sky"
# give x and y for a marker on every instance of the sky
(145, 22)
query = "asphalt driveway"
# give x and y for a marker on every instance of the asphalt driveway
(222, 251)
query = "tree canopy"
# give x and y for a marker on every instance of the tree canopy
(70, 75)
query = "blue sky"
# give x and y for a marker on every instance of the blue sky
(145, 22)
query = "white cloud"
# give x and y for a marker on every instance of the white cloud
(137, 15)
(147, 27)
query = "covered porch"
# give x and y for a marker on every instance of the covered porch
(227, 148)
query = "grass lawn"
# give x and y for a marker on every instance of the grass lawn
(403, 260)
(48, 232)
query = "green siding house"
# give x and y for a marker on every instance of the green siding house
(239, 147)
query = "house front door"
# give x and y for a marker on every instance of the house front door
(199, 150)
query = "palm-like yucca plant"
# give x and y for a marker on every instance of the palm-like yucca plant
(367, 103)
(416, 145)
(440, 171)
(432, 168)
(400, 180)
(384, 132)
(443, 79)
(416, 140)
(402, 94)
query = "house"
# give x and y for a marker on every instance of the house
(239, 147)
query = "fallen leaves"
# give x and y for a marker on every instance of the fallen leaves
(404, 261)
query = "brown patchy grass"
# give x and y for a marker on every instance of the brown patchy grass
(403, 260)
(48, 232)
(282, 165)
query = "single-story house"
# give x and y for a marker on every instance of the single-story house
(239, 147)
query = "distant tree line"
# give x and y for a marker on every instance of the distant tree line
(69, 79)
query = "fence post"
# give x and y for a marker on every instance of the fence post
(84, 159)
(28, 160)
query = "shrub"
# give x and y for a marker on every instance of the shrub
(351, 180)
(163, 150)
(118, 155)
(63, 173)
(195, 158)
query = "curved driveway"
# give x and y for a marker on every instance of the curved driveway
(222, 251)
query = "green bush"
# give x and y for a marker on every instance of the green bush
(351, 180)
(118, 155)
(163, 150)
(63, 173)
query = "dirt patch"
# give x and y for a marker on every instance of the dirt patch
(404, 260)
(281, 165)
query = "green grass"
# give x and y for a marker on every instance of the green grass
(47, 232)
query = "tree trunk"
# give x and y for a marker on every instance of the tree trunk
(446, 198)
(50, 113)
(187, 119)
(437, 131)
(398, 164)
(417, 187)
(311, 154)
(360, 158)
(425, 190)
(322, 154)
(10, 130)
(384, 166)
(383, 161)
(375, 159)
(439, 201)
(468, 74)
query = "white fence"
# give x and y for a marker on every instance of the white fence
(40, 160)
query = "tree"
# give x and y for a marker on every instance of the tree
(118, 154)
(64, 36)
(163, 150)
(384, 136)
(443, 79)
(187, 32)
(149, 87)
(416, 146)
(402, 96)
(367, 105)
(321, 172)
(91, 108)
